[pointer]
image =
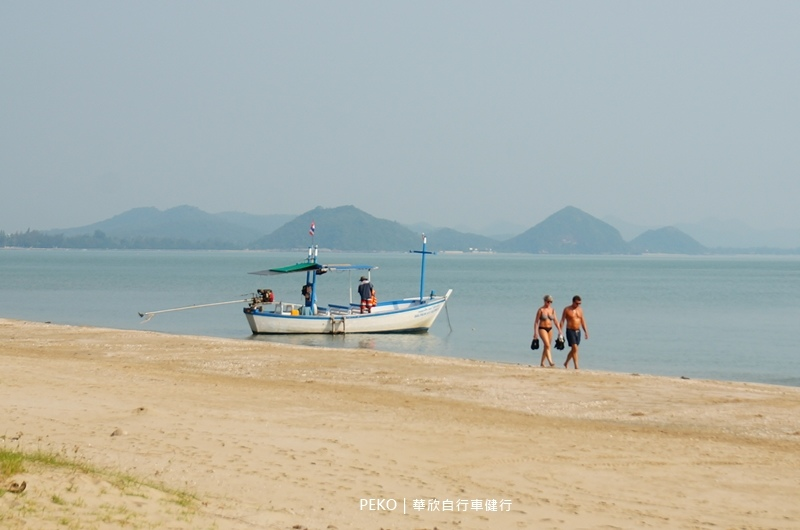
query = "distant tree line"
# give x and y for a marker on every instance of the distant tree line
(99, 240)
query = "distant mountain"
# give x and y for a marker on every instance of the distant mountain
(342, 228)
(492, 232)
(121, 223)
(735, 234)
(423, 228)
(568, 231)
(182, 222)
(449, 239)
(668, 240)
(499, 231)
(717, 234)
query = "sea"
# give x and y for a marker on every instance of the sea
(730, 318)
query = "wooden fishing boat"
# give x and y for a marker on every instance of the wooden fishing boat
(405, 315)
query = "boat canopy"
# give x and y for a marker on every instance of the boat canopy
(297, 267)
(305, 267)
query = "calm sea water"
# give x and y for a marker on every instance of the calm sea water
(726, 318)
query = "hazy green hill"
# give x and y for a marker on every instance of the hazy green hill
(568, 231)
(123, 222)
(182, 222)
(342, 228)
(668, 240)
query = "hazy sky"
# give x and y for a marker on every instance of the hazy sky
(456, 113)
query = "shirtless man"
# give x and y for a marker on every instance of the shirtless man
(573, 315)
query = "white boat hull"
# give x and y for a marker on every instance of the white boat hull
(408, 315)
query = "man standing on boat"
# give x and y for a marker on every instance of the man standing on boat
(365, 289)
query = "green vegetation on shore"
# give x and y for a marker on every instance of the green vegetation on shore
(64, 499)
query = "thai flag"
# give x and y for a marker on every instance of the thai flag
(312, 229)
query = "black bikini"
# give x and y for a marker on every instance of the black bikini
(543, 318)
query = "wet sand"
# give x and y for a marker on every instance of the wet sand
(263, 435)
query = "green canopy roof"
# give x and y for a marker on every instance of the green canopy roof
(305, 266)
(297, 267)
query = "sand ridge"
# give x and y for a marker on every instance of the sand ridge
(275, 436)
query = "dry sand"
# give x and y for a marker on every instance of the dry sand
(270, 436)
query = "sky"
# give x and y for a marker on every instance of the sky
(460, 114)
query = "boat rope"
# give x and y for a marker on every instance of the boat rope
(150, 314)
(447, 312)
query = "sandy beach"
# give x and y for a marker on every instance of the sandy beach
(217, 433)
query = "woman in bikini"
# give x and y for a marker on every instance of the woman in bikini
(543, 327)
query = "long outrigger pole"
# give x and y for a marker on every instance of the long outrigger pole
(151, 314)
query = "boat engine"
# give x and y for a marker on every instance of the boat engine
(265, 296)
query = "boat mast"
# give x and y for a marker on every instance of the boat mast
(422, 270)
(311, 277)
